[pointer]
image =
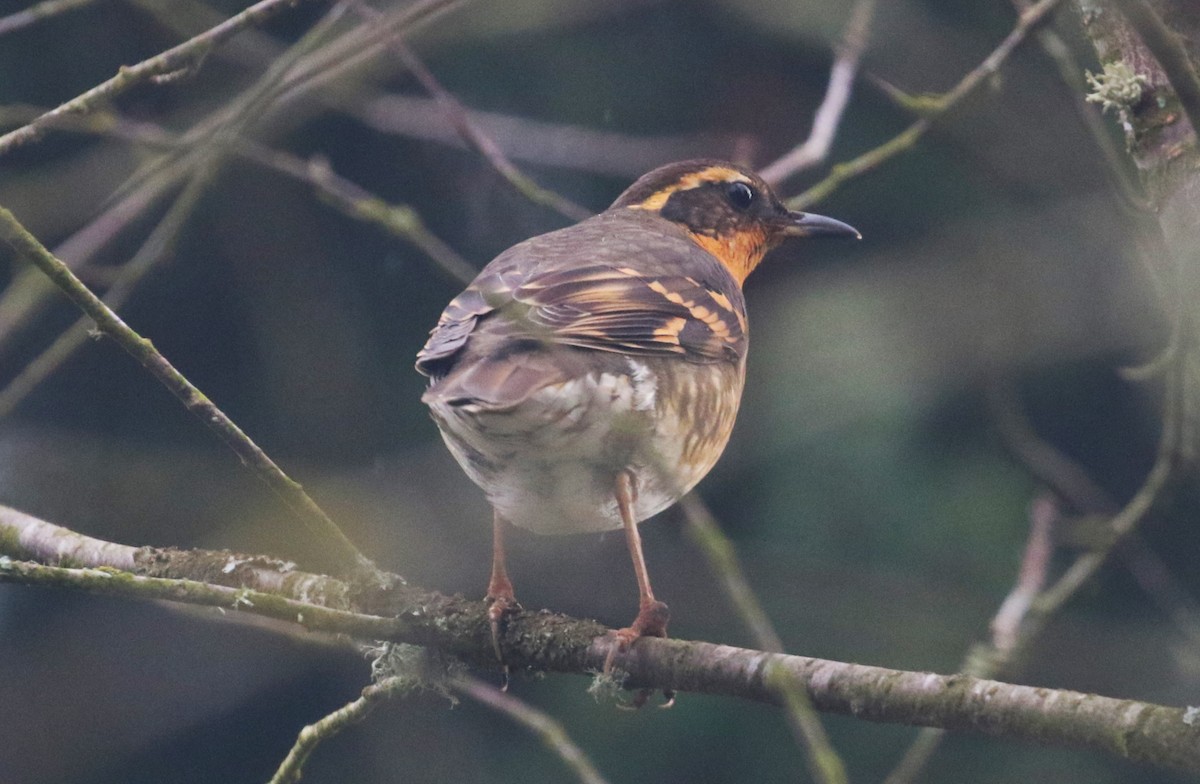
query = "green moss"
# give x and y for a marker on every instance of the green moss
(10, 543)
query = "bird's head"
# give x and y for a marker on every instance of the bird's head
(727, 209)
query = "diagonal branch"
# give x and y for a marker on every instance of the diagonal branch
(475, 138)
(345, 554)
(1028, 20)
(185, 55)
(829, 114)
(823, 760)
(544, 726)
(34, 14)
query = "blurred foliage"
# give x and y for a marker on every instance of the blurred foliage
(878, 513)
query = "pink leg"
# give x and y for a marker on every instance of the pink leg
(652, 614)
(500, 589)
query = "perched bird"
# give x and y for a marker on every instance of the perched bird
(589, 377)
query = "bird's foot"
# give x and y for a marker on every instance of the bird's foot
(501, 606)
(651, 621)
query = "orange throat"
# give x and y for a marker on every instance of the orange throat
(740, 251)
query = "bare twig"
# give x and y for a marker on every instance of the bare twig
(43, 10)
(1126, 520)
(704, 531)
(1019, 632)
(328, 726)
(356, 202)
(476, 139)
(824, 763)
(175, 58)
(987, 660)
(345, 554)
(549, 731)
(153, 251)
(1035, 566)
(823, 760)
(816, 147)
(198, 155)
(842, 172)
(544, 143)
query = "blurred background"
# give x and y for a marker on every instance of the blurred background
(871, 487)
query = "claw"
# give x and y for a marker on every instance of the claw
(501, 607)
(651, 621)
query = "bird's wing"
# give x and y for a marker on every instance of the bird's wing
(598, 307)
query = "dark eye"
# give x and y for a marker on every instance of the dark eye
(741, 195)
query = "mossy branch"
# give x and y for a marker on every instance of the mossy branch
(385, 607)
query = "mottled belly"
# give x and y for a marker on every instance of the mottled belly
(550, 464)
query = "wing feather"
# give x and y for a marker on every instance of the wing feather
(597, 307)
(675, 301)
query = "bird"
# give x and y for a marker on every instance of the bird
(590, 377)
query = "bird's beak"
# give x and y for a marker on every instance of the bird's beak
(806, 224)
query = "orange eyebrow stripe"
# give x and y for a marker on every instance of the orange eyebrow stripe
(656, 200)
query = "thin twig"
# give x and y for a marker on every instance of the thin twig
(174, 59)
(706, 533)
(986, 660)
(816, 147)
(1012, 636)
(344, 553)
(824, 763)
(572, 147)
(1168, 48)
(1031, 577)
(294, 75)
(823, 760)
(476, 139)
(328, 726)
(153, 251)
(549, 731)
(905, 140)
(1124, 522)
(197, 155)
(356, 202)
(43, 10)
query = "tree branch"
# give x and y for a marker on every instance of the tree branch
(108, 322)
(1168, 49)
(1026, 22)
(185, 55)
(313, 734)
(549, 731)
(823, 760)
(34, 14)
(829, 114)
(387, 608)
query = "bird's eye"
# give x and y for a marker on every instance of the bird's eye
(741, 195)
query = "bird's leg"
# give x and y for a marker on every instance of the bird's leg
(500, 590)
(652, 614)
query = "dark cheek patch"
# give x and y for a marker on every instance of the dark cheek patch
(702, 210)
